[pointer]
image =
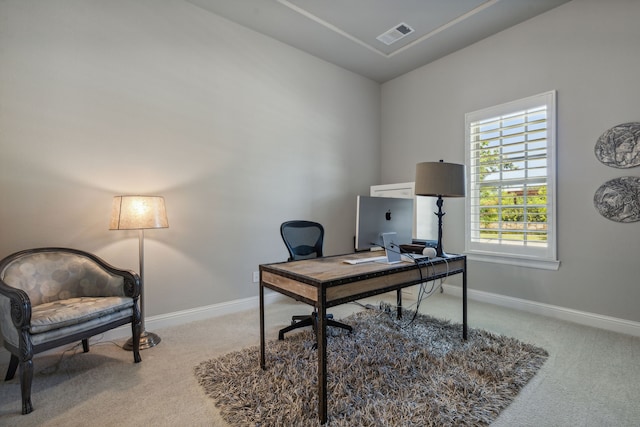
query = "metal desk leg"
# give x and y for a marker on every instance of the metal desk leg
(322, 356)
(464, 300)
(399, 303)
(262, 357)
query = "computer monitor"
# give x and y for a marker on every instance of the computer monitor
(377, 215)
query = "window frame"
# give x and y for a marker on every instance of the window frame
(502, 251)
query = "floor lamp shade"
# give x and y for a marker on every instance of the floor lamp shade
(440, 179)
(139, 213)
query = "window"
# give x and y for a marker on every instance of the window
(511, 192)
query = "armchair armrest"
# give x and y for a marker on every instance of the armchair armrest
(20, 305)
(131, 285)
(15, 308)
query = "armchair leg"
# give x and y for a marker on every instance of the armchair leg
(13, 366)
(85, 345)
(26, 377)
(137, 332)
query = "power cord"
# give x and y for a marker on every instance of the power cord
(75, 349)
(422, 292)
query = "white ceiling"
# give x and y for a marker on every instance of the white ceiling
(344, 32)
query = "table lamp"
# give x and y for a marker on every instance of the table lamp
(440, 179)
(139, 213)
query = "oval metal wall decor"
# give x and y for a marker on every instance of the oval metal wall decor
(619, 199)
(619, 147)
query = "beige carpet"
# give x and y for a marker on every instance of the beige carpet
(387, 372)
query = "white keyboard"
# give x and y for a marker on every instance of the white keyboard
(364, 260)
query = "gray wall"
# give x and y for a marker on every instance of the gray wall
(587, 50)
(237, 131)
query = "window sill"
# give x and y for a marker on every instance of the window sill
(521, 262)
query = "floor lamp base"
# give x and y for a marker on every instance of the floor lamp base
(147, 340)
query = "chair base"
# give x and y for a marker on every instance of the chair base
(311, 320)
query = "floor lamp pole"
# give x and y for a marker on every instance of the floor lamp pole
(147, 339)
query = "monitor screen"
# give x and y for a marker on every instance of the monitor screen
(377, 215)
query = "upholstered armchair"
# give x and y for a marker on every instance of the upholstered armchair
(55, 296)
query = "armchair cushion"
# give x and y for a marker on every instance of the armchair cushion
(80, 328)
(68, 312)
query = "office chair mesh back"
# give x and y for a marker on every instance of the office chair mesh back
(303, 239)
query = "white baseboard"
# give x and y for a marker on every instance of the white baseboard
(581, 317)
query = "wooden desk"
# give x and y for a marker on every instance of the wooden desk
(327, 282)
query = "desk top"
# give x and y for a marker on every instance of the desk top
(333, 271)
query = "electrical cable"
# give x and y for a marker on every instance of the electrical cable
(420, 264)
(75, 349)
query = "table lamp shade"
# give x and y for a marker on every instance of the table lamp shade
(440, 179)
(138, 212)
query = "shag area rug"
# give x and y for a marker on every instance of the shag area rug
(387, 372)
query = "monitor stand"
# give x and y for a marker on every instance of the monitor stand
(391, 249)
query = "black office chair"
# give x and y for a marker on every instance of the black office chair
(304, 240)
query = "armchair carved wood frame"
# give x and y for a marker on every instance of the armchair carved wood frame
(56, 296)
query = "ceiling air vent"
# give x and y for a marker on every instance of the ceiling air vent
(396, 33)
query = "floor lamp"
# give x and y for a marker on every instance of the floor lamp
(139, 213)
(440, 179)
